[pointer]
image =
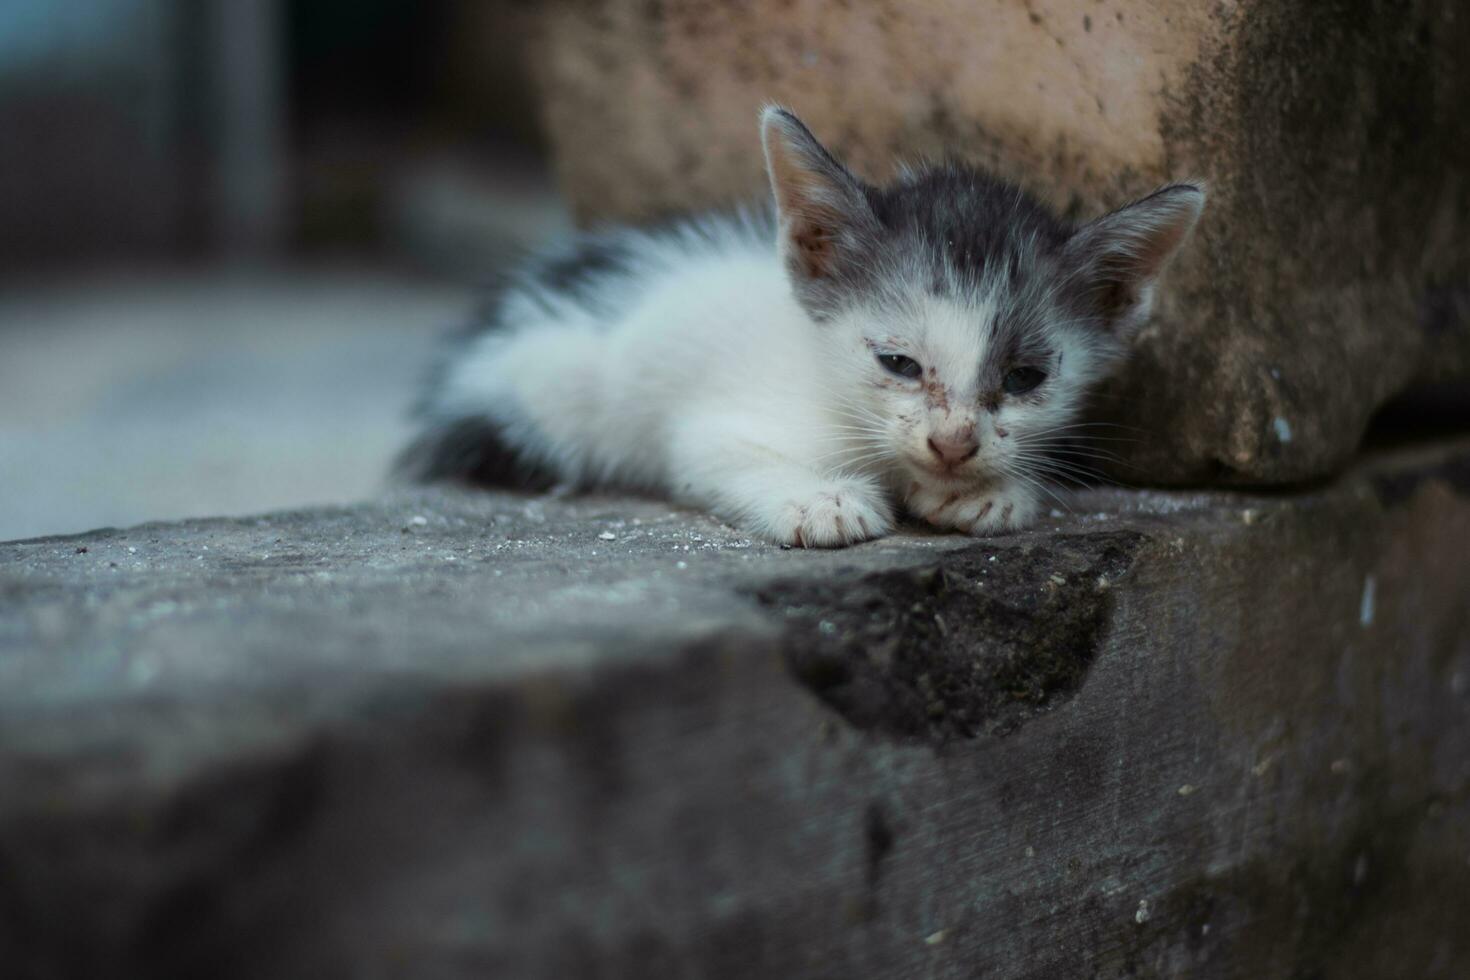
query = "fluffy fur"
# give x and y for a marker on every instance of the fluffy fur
(806, 370)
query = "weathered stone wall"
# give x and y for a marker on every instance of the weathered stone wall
(471, 735)
(1331, 271)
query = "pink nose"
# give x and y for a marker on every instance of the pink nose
(954, 448)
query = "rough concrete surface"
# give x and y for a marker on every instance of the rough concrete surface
(451, 734)
(1330, 273)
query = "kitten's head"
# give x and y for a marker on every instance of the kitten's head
(965, 322)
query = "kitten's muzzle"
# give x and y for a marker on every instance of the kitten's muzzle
(955, 447)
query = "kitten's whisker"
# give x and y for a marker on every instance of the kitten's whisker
(859, 416)
(1056, 459)
(1060, 445)
(1038, 485)
(871, 455)
(1078, 462)
(1063, 457)
(841, 452)
(1087, 425)
(1046, 488)
(1040, 466)
(1083, 477)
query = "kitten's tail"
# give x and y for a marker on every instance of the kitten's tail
(468, 449)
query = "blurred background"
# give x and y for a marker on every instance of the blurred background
(230, 233)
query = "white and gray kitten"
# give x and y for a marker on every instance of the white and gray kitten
(808, 371)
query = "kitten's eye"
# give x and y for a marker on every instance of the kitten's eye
(900, 365)
(1022, 380)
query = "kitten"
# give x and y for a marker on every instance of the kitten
(805, 371)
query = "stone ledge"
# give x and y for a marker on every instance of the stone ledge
(466, 734)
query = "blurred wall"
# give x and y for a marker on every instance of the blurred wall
(139, 130)
(99, 151)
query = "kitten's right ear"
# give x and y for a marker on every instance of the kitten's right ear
(820, 205)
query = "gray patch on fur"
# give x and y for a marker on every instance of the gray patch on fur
(470, 450)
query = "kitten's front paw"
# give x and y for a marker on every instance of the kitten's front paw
(832, 518)
(978, 510)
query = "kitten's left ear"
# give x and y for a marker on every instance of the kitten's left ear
(822, 207)
(1119, 257)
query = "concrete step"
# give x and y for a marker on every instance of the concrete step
(466, 735)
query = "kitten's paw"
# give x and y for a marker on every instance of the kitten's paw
(978, 510)
(832, 518)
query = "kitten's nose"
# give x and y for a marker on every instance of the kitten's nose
(954, 447)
